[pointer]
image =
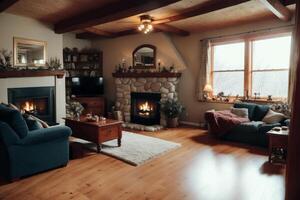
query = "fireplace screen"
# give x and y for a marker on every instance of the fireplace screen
(145, 108)
(39, 101)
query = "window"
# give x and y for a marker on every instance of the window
(253, 67)
(270, 68)
(228, 69)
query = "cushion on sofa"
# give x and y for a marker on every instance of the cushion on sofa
(273, 117)
(260, 112)
(249, 106)
(33, 124)
(241, 112)
(264, 128)
(14, 119)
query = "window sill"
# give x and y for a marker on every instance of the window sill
(258, 101)
(216, 101)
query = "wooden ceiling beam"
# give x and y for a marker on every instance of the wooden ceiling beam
(99, 32)
(4, 4)
(171, 29)
(278, 9)
(93, 35)
(202, 9)
(111, 12)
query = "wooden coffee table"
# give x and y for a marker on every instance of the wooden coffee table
(96, 132)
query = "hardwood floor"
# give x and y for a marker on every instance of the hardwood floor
(203, 168)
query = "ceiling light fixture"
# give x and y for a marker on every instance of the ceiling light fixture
(146, 24)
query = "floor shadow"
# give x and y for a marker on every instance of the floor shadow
(209, 140)
(271, 169)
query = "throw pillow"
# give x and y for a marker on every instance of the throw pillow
(241, 112)
(260, 111)
(249, 106)
(43, 123)
(273, 117)
(32, 123)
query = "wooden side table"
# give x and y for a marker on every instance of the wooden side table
(278, 144)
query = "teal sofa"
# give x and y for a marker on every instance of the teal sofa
(253, 132)
(24, 152)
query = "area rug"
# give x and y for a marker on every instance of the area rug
(136, 149)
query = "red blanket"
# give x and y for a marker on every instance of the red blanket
(220, 122)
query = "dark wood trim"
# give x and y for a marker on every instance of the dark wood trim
(111, 12)
(4, 4)
(32, 73)
(154, 55)
(171, 29)
(146, 74)
(293, 163)
(278, 9)
(89, 35)
(99, 32)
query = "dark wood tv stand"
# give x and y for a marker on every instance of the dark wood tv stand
(95, 105)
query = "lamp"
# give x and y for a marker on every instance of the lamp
(146, 24)
(207, 91)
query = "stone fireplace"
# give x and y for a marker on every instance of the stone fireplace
(143, 84)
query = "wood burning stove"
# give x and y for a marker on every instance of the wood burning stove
(145, 108)
(39, 101)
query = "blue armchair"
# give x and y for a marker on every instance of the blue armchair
(24, 152)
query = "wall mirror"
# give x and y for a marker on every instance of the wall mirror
(144, 57)
(29, 53)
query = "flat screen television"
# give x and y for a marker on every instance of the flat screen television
(87, 86)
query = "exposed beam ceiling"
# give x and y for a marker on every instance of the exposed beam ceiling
(111, 12)
(4, 4)
(201, 9)
(278, 9)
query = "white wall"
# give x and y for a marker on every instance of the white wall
(70, 41)
(17, 26)
(171, 50)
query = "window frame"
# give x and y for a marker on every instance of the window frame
(248, 58)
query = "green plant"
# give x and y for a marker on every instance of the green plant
(54, 63)
(171, 108)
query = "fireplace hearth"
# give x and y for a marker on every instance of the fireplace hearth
(145, 108)
(39, 101)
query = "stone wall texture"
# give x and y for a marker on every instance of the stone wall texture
(168, 87)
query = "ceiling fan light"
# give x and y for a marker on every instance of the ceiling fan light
(145, 25)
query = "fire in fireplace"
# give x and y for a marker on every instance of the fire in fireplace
(145, 108)
(39, 101)
(36, 106)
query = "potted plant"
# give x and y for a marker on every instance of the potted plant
(172, 109)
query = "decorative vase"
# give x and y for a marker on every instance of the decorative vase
(172, 122)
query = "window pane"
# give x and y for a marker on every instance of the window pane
(272, 53)
(229, 56)
(231, 83)
(273, 83)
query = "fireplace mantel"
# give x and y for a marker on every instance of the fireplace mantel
(31, 73)
(146, 74)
